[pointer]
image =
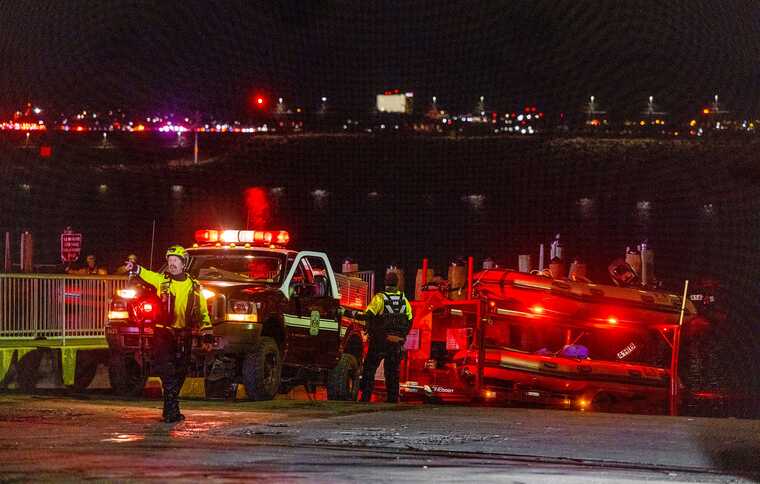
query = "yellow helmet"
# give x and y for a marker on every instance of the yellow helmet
(178, 251)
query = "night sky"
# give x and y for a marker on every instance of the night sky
(183, 56)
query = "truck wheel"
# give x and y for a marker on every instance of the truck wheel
(262, 369)
(27, 371)
(342, 382)
(126, 376)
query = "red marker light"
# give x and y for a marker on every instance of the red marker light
(146, 307)
(282, 237)
(612, 320)
(537, 309)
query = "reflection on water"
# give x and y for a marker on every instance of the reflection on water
(124, 438)
(177, 191)
(192, 428)
(475, 201)
(644, 208)
(320, 198)
(586, 208)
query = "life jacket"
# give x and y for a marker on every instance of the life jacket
(394, 318)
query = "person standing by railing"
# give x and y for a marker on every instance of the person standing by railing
(122, 270)
(91, 268)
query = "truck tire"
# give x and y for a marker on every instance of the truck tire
(343, 380)
(126, 376)
(262, 369)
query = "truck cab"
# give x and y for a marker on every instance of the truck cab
(277, 315)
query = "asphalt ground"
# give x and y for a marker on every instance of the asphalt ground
(55, 437)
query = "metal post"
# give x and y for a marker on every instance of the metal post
(7, 261)
(26, 252)
(481, 334)
(195, 148)
(541, 258)
(195, 145)
(674, 355)
(469, 277)
(63, 310)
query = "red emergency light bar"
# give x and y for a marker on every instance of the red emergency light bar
(255, 237)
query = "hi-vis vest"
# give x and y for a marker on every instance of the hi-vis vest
(394, 316)
(183, 303)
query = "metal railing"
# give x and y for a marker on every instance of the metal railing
(55, 306)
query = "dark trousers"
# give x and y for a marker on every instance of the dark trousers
(171, 359)
(381, 349)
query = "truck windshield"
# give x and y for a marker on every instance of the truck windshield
(264, 268)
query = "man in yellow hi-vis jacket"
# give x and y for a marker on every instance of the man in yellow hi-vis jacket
(389, 318)
(184, 308)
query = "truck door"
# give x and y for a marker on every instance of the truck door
(311, 317)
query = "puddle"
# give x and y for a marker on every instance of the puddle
(195, 428)
(124, 438)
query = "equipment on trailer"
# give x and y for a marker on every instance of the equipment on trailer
(530, 339)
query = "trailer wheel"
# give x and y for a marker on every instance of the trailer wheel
(343, 380)
(262, 370)
(126, 376)
(27, 371)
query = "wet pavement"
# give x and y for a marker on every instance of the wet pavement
(63, 438)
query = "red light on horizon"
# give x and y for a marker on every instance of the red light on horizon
(259, 101)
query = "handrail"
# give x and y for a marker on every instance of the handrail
(49, 306)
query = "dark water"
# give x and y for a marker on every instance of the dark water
(399, 199)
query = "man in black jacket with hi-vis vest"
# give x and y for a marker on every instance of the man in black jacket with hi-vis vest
(389, 318)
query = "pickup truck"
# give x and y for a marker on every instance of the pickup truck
(279, 320)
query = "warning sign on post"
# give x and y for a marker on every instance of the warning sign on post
(71, 245)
